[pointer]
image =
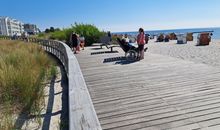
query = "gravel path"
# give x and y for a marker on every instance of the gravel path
(200, 54)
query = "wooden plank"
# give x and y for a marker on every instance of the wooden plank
(157, 93)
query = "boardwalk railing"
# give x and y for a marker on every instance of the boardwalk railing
(82, 115)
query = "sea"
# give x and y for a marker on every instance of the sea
(195, 31)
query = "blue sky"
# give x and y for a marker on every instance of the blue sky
(116, 15)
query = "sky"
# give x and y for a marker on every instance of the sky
(115, 15)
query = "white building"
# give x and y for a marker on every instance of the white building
(31, 29)
(10, 26)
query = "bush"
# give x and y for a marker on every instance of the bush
(44, 35)
(58, 35)
(90, 32)
(41, 34)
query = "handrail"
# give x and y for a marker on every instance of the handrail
(82, 115)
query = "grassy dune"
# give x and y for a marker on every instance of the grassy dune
(23, 69)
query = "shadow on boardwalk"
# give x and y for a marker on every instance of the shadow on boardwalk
(119, 60)
(23, 119)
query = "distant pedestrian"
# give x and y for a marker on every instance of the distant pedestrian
(74, 42)
(109, 35)
(141, 42)
(24, 36)
(78, 43)
(82, 42)
(15, 36)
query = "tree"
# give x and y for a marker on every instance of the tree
(52, 29)
(57, 29)
(47, 30)
(89, 31)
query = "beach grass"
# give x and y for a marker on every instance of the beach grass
(23, 69)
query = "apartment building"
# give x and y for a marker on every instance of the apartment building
(10, 27)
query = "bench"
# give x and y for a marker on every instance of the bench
(106, 41)
(111, 47)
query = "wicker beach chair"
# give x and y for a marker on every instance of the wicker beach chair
(173, 36)
(160, 38)
(203, 39)
(189, 36)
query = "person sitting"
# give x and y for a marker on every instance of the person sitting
(124, 44)
(127, 41)
(125, 37)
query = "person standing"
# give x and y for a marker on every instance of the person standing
(82, 42)
(74, 40)
(24, 36)
(141, 42)
(109, 35)
(78, 43)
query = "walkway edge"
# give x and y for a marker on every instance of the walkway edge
(82, 115)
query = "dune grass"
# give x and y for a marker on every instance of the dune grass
(23, 70)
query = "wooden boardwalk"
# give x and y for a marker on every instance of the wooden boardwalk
(158, 93)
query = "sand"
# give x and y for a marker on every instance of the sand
(54, 115)
(209, 55)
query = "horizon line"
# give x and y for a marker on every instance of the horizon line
(170, 29)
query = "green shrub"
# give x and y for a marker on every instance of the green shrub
(41, 34)
(58, 35)
(90, 32)
(44, 35)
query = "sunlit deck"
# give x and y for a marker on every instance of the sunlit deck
(157, 93)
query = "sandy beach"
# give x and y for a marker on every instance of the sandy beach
(200, 54)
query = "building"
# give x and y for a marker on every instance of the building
(31, 29)
(10, 27)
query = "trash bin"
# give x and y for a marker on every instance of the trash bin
(189, 37)
(181, 39)
(203, 39)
